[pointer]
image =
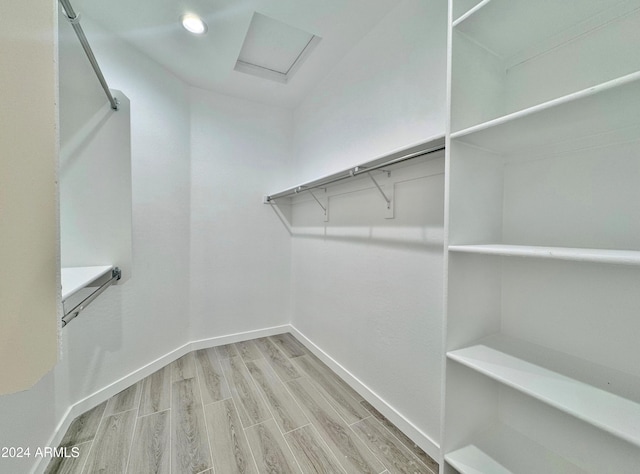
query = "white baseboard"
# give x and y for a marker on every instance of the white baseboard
(238, 337)
(416, 434)
(112, 389)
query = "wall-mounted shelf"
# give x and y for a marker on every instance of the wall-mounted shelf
(592, 393)
(581, 114)
(620, 257)
(381, 166)
(75, 279)
(502, 450)
(427, 147)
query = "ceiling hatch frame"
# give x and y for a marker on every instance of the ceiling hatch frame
(266, 72)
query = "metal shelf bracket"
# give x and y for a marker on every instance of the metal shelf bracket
(389, 199)
(325, 207)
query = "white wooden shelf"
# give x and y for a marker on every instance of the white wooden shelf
(600, 396)
(503, 450)
(76, 278)
(605, 107)
(506, 27)
(619, 257)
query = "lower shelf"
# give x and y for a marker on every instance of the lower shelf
(600, 396)
(502, 450)
(619, 257)
(75, 278)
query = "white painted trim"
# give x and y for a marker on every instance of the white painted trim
(112, 389)
(238, 337)
(412, 431)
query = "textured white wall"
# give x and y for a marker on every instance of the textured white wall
(386, 93)
(240, 252)
(371, 302)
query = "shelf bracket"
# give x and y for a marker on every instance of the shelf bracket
(388, 199)
(325, 207)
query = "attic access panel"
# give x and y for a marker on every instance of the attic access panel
(274, 50)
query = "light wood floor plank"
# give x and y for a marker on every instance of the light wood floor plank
(280, 363)
(251, 406)
(84, 427)
(229, 446)
(110, 449)
(333, 389)
(151, 445)
(70, 465)
(311, 452)
(289, 345)
(296, 410)
(394, 455)
(226, 351)
(128, 399)
(184, 368)
(350, 451)
(248, 351)
(156, 392)
(270, 450)
(189, 447)
(414, 448)
(285, 410)
(212, 383)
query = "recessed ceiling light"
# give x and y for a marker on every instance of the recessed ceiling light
(193, 24)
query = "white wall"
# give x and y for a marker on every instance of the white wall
(386, 93)
(240, 252)
(368, 291)
(132, 324)
(140, 320)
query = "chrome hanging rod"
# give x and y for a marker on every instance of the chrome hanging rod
(74, 19)
(116, 274)
(422, 149)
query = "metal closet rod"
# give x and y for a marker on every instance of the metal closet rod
(427, 148)
(74, 19)
(116, 274)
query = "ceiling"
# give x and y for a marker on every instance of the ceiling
(208, 61)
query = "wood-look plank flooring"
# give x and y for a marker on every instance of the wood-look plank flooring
(261, 406)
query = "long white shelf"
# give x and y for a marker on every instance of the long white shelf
(600, 396)
(503, 450)
(76, 278)
(401, 155)
(506, 27)
(607, 106)
(619, 257)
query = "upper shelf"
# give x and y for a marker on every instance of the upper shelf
(76, 278)
(506, 27)
(401, 155)
(600, 396)
(605, 107)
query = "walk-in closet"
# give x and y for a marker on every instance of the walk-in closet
(348, 236)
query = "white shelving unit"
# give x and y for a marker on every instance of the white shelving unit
(543, 229)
